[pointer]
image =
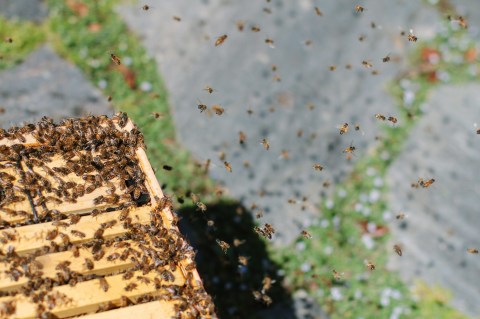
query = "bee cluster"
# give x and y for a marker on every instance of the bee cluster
(81, 213)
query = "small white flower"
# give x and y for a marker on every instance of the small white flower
(102, 84)
(336, 293)
(374, 196)
(368, 241)
(300, 246)
(305, 267)
(328, 250)
(146, 86)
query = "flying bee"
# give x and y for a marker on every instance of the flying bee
(426, 184)
(242, 260)
(227, 166)
(240, 25)
(332, 67)
(359, 9)
(157, 115)
(267, 10)
(201, 206)
(400, 216)
(220, 40)
(392, 119)
(265, 144)
(202, 107)
(259, 214)
(317, 167)
(115, 59)
(209, 89)
(386, 58)
(472, 250)
(255, 28)
(223, 245)
(269, 41)
(267, 283)
(411, 37)
(350, 149)
(337, 275)
(146, 7)
(397, 249)
(343, 129)
(367, 64)
(176, 18)
(218, 109)
(306, 234)
(380, 117)
(318, 11)
(370, 265)
(241, 137)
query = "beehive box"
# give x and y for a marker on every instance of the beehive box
(85, 228)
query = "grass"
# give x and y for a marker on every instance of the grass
(337, 236)
(25, 37)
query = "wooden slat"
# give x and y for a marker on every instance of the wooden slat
(149, 310)
(87, 296)
(84, 203)
(17, 206)
(32, 237)
(50, 262)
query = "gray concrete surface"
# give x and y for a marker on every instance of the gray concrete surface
(240, 72)
(45, 84)
(442, 220)
(33, 10)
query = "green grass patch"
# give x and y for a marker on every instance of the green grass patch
(17, 39)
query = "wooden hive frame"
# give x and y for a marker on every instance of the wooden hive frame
(110, 286)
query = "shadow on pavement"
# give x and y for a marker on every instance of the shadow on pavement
(230, 284)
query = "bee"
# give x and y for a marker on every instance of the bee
(267, 283)
(380, 117)
(343, 128)
(373, 25)
(357, 127)
(167, 167)
(426, 184)
(167, 276)
(240, 25)
(337, 275)
(318, 11)
(370, 265)
(367, 64)
(115, 59)
(242, 260)
(8, 40)
(104, 284)
(306, 234)
(241, 137)
(223, 245)
(255, 28)
(397, 249)
(128, 275)
(259, 214)
(386, 58)
(89, 264)
(392, 119)
(131, 286)
(400, 216)
(412, 38)
(332, 67)
(109, 98)
(201, 206)
(238, 242)
(77, 233)
(478, 131)
(350, 149)
(472, 250)
(269, 41)
(218, 109)
(178, 19)
(462, 22)
(265, 144)
(359, 9)
(202, 107)
(227, 166)
(146, 7)
(51, 234)
(157, 115)
(277, 78)
(209, 89)
(220, 40)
